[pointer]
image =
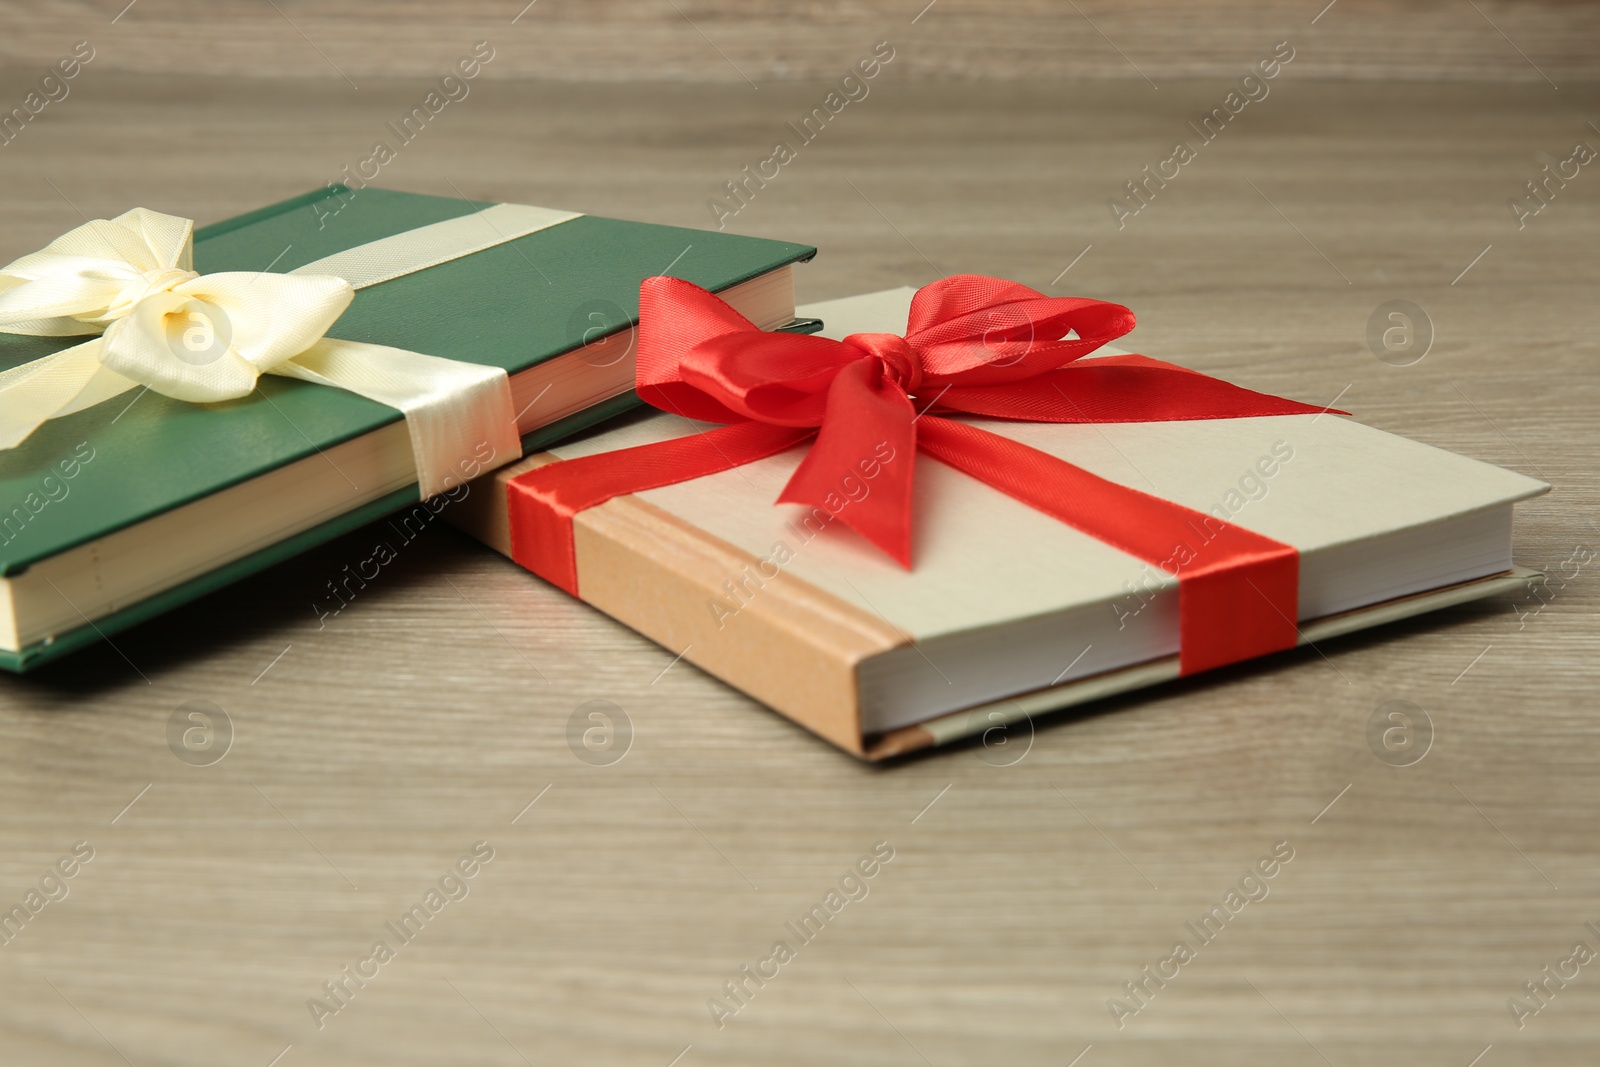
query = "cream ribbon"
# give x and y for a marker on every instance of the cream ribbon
(207, 338)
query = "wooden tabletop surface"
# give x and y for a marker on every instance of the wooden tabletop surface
(1434, 871)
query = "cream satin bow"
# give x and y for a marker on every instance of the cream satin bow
(207, 338)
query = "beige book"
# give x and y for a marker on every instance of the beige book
(1006, 611)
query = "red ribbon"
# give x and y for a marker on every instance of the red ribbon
(973, 344)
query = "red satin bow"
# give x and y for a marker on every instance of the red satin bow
(973, 344)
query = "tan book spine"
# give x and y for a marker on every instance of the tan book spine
(782, 640)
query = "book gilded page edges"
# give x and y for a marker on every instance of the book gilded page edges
(789, 644)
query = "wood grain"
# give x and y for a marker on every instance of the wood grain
(758, 43)
(373, 752)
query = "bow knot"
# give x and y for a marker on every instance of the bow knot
(199, 338)
(146, 284)
(901, 364)
(981, 346)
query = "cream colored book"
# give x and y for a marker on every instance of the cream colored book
(1006, 611)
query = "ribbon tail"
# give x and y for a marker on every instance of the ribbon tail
(860, 468)
(459, 415)
(542, 503)
(1238, 592)
(57, 385)
(1120, 389)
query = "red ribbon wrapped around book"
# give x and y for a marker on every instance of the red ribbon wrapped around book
(974, 345)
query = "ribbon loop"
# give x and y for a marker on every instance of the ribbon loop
(972, 330)
(93, 275)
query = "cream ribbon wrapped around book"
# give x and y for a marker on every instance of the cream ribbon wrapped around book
(206, 338)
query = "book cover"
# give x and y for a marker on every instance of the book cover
(814, 621)
(119, 464)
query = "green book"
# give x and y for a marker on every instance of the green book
(124, 510)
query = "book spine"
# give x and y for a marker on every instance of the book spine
(777, 638)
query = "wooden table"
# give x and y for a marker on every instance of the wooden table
(435, 712)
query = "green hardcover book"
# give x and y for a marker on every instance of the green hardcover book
(125, 509)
